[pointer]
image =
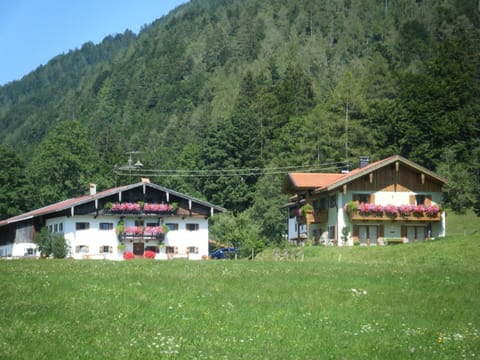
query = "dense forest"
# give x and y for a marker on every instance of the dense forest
(226, 96)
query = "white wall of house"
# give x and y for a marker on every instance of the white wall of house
(292, 221)
(19, 250)
(341, 222)
(184, 238)
(339, 218)
(94, 239)
(394, 198)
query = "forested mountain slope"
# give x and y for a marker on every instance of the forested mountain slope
(247, 84)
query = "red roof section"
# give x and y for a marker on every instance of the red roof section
(314, 180)
(62, 205)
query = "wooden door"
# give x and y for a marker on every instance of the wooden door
(138, 248)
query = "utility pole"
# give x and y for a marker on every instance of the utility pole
(131, 166)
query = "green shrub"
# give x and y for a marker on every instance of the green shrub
(59, 246)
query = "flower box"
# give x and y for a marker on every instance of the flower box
(366, 211)
(139, 207)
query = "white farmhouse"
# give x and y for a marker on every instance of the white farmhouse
(133, 219)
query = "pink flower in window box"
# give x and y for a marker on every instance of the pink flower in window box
(432, 210)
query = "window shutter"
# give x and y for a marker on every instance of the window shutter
(381, 231)
(101, 250)
(187, 250)
(175, 249)
(428, 200)
(372, 198)
(77, 249)
(355, 233)
(110, 249)
(196, 250)
(412, 200)
(403, 231)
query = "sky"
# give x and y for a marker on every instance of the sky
(32, 32)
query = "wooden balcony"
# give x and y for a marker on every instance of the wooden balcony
(383, 216)
(316, 216)
(141, 237)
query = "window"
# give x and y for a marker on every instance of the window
(192, 250)
(60, 227)
(320, 204)
(82, 226)
(171, 250)
(332, 202)
(81, 249)
(30, 251)
(106, 249)
(172, 227)
(50, 228)
(55, 228)
(139, 223)
(423, 199)
(362, 198)
(192, 227)
(152, 224)
(106, 226)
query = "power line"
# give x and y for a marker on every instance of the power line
(232, 172)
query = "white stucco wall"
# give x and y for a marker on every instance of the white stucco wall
(94, 237)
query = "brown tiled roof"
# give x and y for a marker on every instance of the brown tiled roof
(62, 205)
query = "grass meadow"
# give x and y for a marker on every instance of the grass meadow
(419, 301)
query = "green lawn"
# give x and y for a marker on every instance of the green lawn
(418, 301)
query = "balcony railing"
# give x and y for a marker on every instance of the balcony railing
(141, 237)
(313, 216)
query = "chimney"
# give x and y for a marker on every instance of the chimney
(93, 189)
(364, 160)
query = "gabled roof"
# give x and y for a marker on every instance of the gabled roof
(67, 204)
(319, 182)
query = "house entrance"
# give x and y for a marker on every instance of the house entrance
(416, 233)
(138, 248)
(367, 234)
